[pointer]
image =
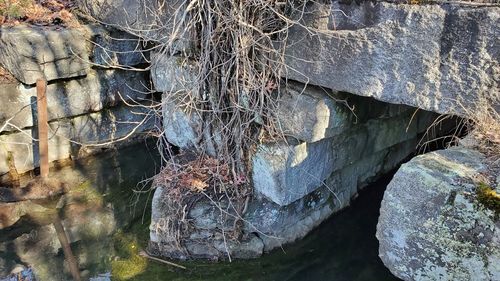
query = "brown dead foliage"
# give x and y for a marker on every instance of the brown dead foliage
(187, 180)
(194, 174)
(6, 77)
(42, 12)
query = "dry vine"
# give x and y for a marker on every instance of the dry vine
(239, 50)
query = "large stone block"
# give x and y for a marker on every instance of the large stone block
(441, 58)
(115, 48)
(286, 172)
(278, 225)
(30, 53)
(275, 225)
(433, 226)
(182, 125)
(174, 74)
(149, 19)
(65, 99)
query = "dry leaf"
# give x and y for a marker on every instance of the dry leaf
(198, 185)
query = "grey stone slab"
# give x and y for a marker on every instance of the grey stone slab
(285, 172)
(441, 58)
(66, 99)
(32, 53)
(70, 137)
(310, 113)
(174, 73)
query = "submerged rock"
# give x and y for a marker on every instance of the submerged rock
(432, 225)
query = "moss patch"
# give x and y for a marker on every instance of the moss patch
(488, 197)
(130, 263)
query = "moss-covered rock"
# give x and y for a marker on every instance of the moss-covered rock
(437, 223)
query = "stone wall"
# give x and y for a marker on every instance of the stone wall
(329, 152)
(88, 89)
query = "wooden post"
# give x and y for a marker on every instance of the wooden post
(43, 127)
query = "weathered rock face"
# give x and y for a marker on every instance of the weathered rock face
(30, 53)
(99, 89)
(428, 56)
(70, 137)
(431, 225)
(149, 19)
(85, 94)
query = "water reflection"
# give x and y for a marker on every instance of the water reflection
(68, 253)
(106, 227)
(99, 202)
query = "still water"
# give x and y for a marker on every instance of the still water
(107, 225)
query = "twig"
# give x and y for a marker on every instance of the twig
(143, 253)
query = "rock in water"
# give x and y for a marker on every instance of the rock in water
(432, 226)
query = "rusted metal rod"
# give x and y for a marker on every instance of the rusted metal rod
(43, 127)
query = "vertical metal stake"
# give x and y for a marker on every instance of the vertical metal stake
(43, 127)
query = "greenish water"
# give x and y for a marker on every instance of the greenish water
(108, 224)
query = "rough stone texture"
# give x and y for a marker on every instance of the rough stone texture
(66, 135)
(268, 225)
(431, 225)
(96, 91)
(117, 48)
(310, 113)
(426, 56)
(30, 53)
(284, 173)
(149, 19)
(173, 73)
(81, 225)
(181, 126)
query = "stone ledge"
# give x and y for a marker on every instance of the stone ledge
(284, 172)
(66, 99)
(426, 56)
(30, 53)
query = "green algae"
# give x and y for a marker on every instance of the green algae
(130, 263)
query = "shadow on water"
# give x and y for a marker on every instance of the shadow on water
(106, 227)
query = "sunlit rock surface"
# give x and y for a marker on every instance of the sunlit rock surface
(30, 53)
(297, 184)
(432, 225)
(438, 57)
(86, 93)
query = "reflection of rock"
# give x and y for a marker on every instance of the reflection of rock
(10, 213)
(431, 225)
(37, 188)
(93, 227)
(85, 220)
